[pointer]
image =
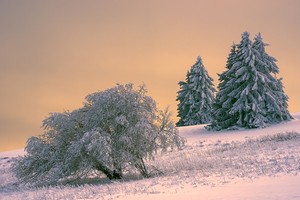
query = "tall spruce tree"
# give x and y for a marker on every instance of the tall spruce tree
(249, 95)
(244, 94)
(195, 96)
(276, 104)
(222, 103)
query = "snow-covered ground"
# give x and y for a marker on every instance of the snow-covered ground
(198, 132)
(240, 164)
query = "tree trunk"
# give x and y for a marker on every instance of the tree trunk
(142, 168)
(111, 174)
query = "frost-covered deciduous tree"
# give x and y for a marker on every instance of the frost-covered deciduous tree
(117, 128)
(195, 96)
(250, 95)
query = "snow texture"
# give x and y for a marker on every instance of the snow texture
(237, 164)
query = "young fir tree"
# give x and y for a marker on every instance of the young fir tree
(195, 96)
(276, 104)
(249, 95)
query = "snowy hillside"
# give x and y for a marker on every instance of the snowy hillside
(240, 164)
(195, 133)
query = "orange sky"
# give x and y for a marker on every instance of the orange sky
(54, 53)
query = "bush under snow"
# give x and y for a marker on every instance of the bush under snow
(116, 130)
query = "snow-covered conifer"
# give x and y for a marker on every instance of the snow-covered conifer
(222, 102)
(249, 96)
(195, 96)
(276, 102)
(241, 91)
(183, 106)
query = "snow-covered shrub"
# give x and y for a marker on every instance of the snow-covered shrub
(116, 128)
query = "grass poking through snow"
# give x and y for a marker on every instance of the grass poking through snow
(204, 163)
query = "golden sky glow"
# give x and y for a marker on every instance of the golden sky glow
(54, 53)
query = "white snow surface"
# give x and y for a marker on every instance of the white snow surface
(240, 164)
(13, 153)
(195, 133)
